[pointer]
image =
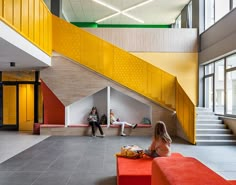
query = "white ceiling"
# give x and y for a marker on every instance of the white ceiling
(156, 12)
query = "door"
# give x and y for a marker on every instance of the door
(9, 106)
(26, 107)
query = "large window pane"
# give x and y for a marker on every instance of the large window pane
(231, 92)
(209, 92)
(209, 69)
(221, 8)
(219, 87)
(234, 3)
(231, 61)
(209, 13)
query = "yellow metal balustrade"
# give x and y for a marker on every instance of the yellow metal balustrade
(186, 113)
(113, 62)
(124, 68)
(31, 19)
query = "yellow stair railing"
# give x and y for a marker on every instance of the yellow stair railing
(113, 62)
(124, 68)
(186, 114)
(31, 19)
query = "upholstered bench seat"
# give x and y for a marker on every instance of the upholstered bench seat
(183, 171)
(51, 125)
(135, 171)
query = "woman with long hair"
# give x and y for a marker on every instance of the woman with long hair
(93, 119)
(160, 146)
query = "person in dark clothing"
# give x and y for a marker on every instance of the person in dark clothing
(93, 119)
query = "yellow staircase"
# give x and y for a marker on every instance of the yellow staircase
(100, 56)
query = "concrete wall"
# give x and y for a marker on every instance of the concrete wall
(150, 40)
(219, 40)
(231, 123)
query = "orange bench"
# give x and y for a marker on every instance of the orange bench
(135, 171)
(183, 171)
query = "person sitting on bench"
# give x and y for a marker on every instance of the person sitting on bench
(116, 121)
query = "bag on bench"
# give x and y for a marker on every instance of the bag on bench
(131, 151)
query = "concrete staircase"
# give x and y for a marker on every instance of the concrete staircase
(210, 130)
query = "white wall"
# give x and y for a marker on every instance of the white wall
(127, 108)
(77, 112)
(124, 107)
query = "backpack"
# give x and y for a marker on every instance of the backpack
(103, 120)
(146, 121)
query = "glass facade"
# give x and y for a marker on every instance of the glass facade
(220, 86)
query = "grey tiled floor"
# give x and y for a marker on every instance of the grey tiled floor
(90, 161)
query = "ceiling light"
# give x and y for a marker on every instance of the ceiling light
(123, 12)
(132, 17)
(136, 6)
(106, 5)
(108, 17)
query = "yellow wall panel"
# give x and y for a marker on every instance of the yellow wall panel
(1, 8)
(36, 21)
(8, 11)
(31, 20)
(41, 24)
(25, 17)
(17, 15)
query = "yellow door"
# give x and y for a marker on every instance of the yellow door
(26, 107)
(9, 105)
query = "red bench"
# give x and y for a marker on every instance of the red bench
(183, 171)
(135, 171)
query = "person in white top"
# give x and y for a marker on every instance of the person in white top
(114, 120)
(160, 146)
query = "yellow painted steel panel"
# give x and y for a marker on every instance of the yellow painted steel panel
(1, 8)
(185, 110)
(25, 18)
(28, 19)
(31, 20)
(36, 21)
(17, 15)
(41, 24)
(8, 11)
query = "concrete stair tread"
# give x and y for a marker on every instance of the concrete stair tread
(217, 140)
(213, 129)
(211, 124)
(215, 134)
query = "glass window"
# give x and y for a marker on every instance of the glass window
(190, 15)
(219, 87)
(209, 92)
(221, 8)
(209, 13)
(18, 76)
(178, 22)
(209, 69)
(231, 61)
(231, 92)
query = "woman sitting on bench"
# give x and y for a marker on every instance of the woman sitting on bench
(114, 120)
